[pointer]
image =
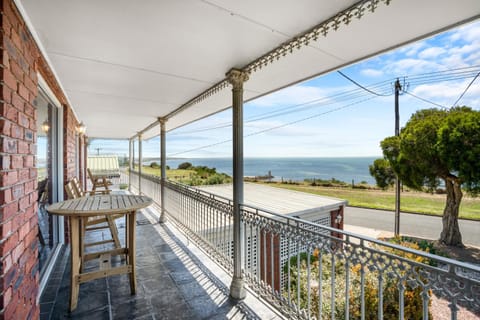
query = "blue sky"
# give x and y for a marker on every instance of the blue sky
(338, 126)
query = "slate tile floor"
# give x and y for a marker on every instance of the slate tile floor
(174, 281)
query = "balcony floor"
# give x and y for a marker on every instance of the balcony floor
(175, 280)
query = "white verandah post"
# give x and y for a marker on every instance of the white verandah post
(163, 166)
(236, 79)
(140, 164)
(130, 163)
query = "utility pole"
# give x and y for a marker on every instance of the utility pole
(98, 151)
(398, 87)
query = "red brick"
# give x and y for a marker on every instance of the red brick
(16, 162)
(18, 102)
(33, 173)
(5, 126)
(16, 70)
(23, 174)
(11, 14)
(19, 249)
(8, 145)
(9, 79)
(16, 40)
(16, 132)
(5, 196)
(29, 135)
(33, 123)
(7, 297)
(8, 178)
(4, 162)
(18, 191)
(23, 120)
(9, 311)
(30, 85)
(5, 229)
(23, 147)
(6, 263)
(23, 232)
(9, 244)
(29, 110)
(33, 197)
(23, 92)
(24, 203)
(10, 112)
(33, 75)
(6, 94)
(28, 161)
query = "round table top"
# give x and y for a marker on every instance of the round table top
(100, 205)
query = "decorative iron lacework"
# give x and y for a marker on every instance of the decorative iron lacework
(198, 213)
(356, 11)
(208, 93)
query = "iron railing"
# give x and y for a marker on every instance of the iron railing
(311, 271)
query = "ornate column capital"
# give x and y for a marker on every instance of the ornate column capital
(237, 77)
(161, 120)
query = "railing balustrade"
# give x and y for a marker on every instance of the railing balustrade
(311, 271)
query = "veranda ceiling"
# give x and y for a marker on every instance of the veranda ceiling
(125, 63)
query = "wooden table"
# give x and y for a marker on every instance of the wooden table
(78, 210)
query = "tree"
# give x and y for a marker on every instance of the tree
(382, 172)
(184, 166)
(439, 144)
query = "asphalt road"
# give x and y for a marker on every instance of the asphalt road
(410, 224)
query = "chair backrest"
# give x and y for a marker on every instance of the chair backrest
(78, 187)
(90, 175)
(71, 191)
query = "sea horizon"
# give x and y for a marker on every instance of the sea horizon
(345, 169)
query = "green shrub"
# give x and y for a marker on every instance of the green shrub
(184, 166)
(412, 296)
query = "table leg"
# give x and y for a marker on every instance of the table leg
(82, 227)
(75, 261)
(131, 250)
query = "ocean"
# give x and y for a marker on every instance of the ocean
(297, 169)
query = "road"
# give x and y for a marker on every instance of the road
(422, 226)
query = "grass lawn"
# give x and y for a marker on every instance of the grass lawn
(410, 201)
(171, 174)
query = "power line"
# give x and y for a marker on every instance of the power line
(425, 100)
(359, 85)
(466, 89)
(275, 127)
(418, 79)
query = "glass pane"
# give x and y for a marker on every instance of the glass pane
(46, 116)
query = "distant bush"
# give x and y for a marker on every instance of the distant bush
(184, 166)
(154, 165)
(216, 179)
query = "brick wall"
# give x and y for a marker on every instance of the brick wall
(20, 62)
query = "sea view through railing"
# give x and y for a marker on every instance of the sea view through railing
(291, 168)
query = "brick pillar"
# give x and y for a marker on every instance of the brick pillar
(333, 221)
(266, 259)
(19, 276)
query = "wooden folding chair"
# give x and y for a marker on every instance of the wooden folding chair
(98, 182)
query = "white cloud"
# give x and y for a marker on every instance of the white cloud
(412, 66)
(412, 49)
(470, 33)
(374, 73)
(431, 53)
(291, 96)
(446, 93)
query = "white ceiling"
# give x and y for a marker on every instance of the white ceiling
(125, 63)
